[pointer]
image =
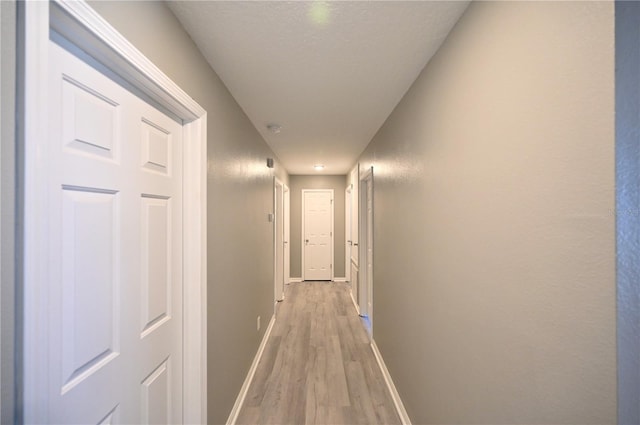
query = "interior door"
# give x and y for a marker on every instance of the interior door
(355, 235)
(279, 240)
(347, 234)
(369, 245)
(355, 270)
(287, 235)
(116, 271)
(366, 247)
(317, 234)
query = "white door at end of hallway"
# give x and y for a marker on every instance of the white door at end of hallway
(115, 205)
(317, 243)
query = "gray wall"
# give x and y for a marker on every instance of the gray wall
(494, 279)
(628, 202)
(297, 183)
(7, 203)
(240, 196)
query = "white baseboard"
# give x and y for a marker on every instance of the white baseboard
(339, 279)
(404, 417)
(233, 416)
(355, 304)
(295, 279)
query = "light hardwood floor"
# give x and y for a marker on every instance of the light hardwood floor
(318, 367)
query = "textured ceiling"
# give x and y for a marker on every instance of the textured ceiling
(329, 73)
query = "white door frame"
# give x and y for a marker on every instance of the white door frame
(354, 178)
(287, 235)
(355, 216)
(365, 290)
(348, 243)
(278, 249)
(85, 28)
(303, 229)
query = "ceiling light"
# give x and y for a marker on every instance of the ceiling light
(274, 128)
(318, 167)
(319, 12)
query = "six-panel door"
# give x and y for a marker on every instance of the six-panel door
(318, 238)
(116, 286)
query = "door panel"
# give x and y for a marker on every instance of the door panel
(89, 286)
(116, 281)
(156, 261)
(318, 234)
(156, 400)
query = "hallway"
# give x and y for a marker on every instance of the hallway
(502, 181)
(318, 367)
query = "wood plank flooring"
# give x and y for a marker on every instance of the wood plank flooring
(318, 367)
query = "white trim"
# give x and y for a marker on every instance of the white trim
(2, 331)
(339, 279)
(35, 239)
(332, 229)
(397, 401)
(365, 279)
(277, 209)
(354, 177)
(355, 304)
(78, 22)
(195, 272)
(287, 234)
(348, 241)
(233, 416)
(295, 280)
(83, 27)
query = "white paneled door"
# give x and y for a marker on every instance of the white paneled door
(317, 207)
(353, 261)
(347, 233)
(287, 234)
(366, 246)
(279, 240)
(116, 283)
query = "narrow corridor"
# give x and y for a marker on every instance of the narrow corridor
(318, 367)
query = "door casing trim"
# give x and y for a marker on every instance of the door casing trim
(278, 208)
(365, 278)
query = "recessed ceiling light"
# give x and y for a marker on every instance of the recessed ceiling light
(274, 128)
(318, 167)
